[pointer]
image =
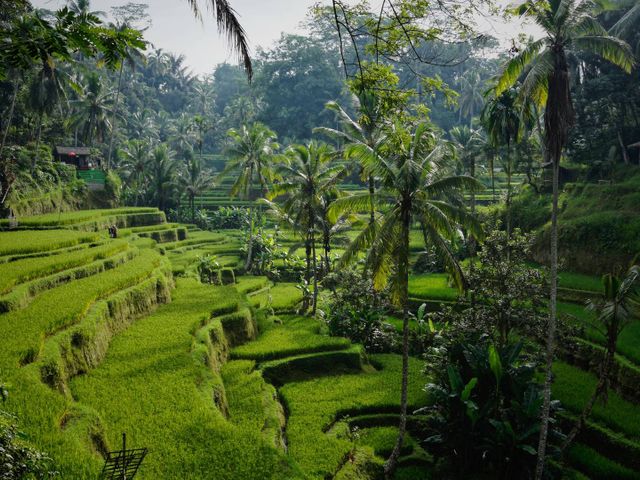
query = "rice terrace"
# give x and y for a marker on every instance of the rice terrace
(335, 240)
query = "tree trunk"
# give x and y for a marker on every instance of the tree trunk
(403, 280)
(315, 273)
(372, 191)
(115, 116)
(247, 263)
(623, 149)
(36, 156)
(551, 334)
(508, 201)
(9, 118)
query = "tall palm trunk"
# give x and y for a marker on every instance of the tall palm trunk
(251, 223)
(559, 117)
(315, 273)
(508, 202)
(403, 280)
(9, 117)
(372, 192)
(114, 116)
(36, 157)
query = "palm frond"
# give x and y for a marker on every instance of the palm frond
(354, 204)
(433, 238)
(514, 67)
(611, 49)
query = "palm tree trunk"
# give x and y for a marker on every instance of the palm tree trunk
(247, 264)
(551, 334)
(9, 117)
(36, 157)
(115, 116)
(315, 273)
(403, 280)
(372, 192)
(508, 202)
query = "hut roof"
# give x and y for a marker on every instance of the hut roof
(76, 150)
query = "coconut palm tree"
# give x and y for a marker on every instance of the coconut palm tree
(229, 24)
(93, 108)
(361, 137)
(250, 156)
(134, 164)
(471, 99)
(308, 173)
(413, 191)
(162, 171)
(504, 119)
(194, 181)
(570, 29)
(619, 307)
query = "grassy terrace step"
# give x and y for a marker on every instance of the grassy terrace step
(24, 293)
(94, 219)
(197, 238)
(150, 387)
(598, 467)
(13, 273)
(25, 242)
(282, 298)
(294, 336)
(573, 387)
(313, 405)
(51, 420)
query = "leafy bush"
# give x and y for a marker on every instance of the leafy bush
(228, 218)
(484, 411)
(356, 311)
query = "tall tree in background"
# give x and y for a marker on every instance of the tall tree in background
(250, 155)
(569, 27)
(194, 181)
(413, 190)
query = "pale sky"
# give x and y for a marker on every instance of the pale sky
(175, 29)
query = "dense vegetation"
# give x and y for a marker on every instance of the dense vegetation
(372, 251)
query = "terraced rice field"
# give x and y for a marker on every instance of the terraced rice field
(103, 336)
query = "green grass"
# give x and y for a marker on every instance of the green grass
(432, 286)
(573, 387)
(283, 297)
(314, 404)
(24, 242)
(80, 216)
(13, 273)
(579, 281)
(296, 335)
(598, 467)
(150, 387)
(249, 283)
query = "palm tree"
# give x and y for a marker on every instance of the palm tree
(308, 173)
(93, 109)
(250, 155)
(194, 181)
(362, 137)
(570, 28)
(471, 98)
(229, 25)
(503, 118)
(162, 171)
(134, 165)
(131, 56)
(413, 190)
(616, 310)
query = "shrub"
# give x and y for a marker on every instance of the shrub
(356, 311)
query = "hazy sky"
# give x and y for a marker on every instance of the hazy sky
(175, 29)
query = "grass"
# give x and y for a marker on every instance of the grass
(296, 335)
(283, 297)
(80, 216)
(313, 405)
(573, 387)
(24, 242)
(579, 281)
(432, 286)
(13, 273)
(598, 467)
(150, 387)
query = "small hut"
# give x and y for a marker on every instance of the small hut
(80, 157)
